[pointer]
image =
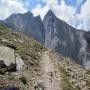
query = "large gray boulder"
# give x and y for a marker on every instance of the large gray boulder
(8, 56)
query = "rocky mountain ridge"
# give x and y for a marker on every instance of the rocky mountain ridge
(27, 24)
(54, 33)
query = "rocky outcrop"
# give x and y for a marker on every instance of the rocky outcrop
(9, 57)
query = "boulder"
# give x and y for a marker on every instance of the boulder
(9, 58)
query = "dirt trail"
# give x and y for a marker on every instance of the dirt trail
(51, 75)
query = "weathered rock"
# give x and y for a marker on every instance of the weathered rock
(19, 62)
(8, 56)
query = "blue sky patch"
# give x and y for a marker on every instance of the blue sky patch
(30, 4)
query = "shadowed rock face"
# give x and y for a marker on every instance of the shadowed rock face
(67, 40)
(55, 34)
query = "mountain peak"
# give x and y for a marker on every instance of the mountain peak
(50, 13)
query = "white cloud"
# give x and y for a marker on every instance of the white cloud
(8, 7)
(44, 11)
(38, 10)
(63, 11)
(50, 3)
(66, 13)
(84, 16)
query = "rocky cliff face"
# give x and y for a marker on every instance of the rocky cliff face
(55, 34)
(67, 40)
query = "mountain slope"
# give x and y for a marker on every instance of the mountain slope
(43, 68)
(54, 33)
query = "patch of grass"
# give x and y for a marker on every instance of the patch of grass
(66, 84)
(88, 83)
(2, 26)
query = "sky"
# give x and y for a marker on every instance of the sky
(75, 12)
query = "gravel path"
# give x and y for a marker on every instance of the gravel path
(51, 75)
